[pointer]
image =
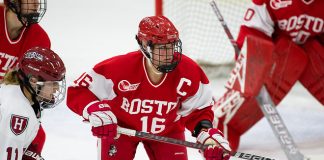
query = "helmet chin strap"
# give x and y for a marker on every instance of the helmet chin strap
(147, 54)
(153, 67)
(24, 82)
(149, 59)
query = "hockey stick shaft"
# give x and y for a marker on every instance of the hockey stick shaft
(225, 27)
(145, 135)
(266, 104)
(278, 126)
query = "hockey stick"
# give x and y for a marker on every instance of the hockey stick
(145, 135)
(225, 27)
(266, 104)
(28, 154)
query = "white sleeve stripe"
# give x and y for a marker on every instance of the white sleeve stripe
(202, 99)
(261, 20)
(100, 86)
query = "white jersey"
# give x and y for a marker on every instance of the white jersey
(18, 123)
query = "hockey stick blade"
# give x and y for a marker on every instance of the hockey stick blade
(265, 103)
(145, 135)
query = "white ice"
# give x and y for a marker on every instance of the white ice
(85, 32)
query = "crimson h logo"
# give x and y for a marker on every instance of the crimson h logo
(18, 124)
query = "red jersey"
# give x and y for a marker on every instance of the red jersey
(11, 50)
(298, 19)
(182, 98)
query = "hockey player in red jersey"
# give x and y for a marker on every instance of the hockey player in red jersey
(19, 32)
(284, 44)
(37, 83)
(157, 90)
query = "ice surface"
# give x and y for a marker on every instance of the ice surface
(85, 32)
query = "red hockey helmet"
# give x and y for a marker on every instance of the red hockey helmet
(28, 11)
(42, 63)
(158, 30)
(49, 70)
(161, 36)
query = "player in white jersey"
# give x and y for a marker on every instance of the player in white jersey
(37, 83)
(157, 90)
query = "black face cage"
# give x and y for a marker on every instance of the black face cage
(29, 11)
(162, 60)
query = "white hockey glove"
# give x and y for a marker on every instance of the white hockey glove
(103, 121)
(218, 148)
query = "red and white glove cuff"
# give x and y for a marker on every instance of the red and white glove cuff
(99, 114)
(85, 113)
(101, 118)
(202, 137)
(215, 135)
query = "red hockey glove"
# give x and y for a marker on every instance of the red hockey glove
(218, 148)
(103, 121)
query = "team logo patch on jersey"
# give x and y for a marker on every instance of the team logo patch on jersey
(18, 124)
(125, 86)
(277, 4)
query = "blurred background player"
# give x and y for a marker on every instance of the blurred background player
(19, 32)
(157, 90)
(37, 83)
(288, 45)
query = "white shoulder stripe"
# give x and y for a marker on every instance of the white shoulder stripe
(202, 99)
(260, 19)
(103, 88)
